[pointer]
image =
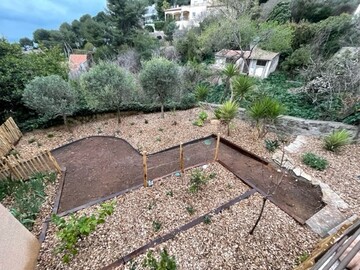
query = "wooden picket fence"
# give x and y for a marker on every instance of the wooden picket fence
(15, 168)
(9, 135)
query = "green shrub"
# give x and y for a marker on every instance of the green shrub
(264, 112)
(227, 112)
(337, 139)
(156, 226)
(159, 25)
(198, 123)
(190, 209)
(207, 219)
(203, 116)
(198, 179)
(201, 92)
(241, 85)
(28, 197)
(315, 161)
(71, 230)
(271, 145)
(149, 28)
(166, 261)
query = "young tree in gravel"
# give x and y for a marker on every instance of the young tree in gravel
(160, 78)
(51, 97)
(229, 72)
(106, 86)
(227, 112)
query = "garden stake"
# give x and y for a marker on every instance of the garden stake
(182, 158)
(217, 147)
(145, 168)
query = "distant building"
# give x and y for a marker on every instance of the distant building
(187, 16)
(79, 63)
(256, 63)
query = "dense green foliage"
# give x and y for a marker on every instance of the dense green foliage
(336, 140)
(74, 228)
(314, 161)
(106, 86)
(27, 196)
(50, 97)
(160, 79)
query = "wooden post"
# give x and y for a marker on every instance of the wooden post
(53, 160)
(145, 168)
(182, 168)
(217, 147)
(11, 168)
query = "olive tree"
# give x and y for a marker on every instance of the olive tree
(160, 78)
(106, 86)
(50, 96)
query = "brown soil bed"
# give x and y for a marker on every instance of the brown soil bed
(100, 166)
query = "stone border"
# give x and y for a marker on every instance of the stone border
(297, 126)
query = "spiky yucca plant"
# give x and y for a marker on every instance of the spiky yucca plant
(336, 140)
(227, 112)
(201, 92)
(229, 72)
(264, 112)
(240, 85)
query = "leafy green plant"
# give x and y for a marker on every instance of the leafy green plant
(207, 219)
(264, 112)
(28, 197)
(190, 209)
(7, 187)
(302, 258)
(240, 86)
(170, 193)
(197, 180)
(156, 226)
(227, 112)
(73, 229)
(336, 140)
(229, 72)
(203, 116)
(315, 161)
(272, 145)
(201, 92)
(198, 123)
(50, 135)
(201, 119)
(166, 261)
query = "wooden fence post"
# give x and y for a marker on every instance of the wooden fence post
(182, 168)
(217, 147)
(145, 168)
(11, 168)
(53, 160)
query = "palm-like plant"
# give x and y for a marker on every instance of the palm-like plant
(227, 112)
(264, 112)
(201, 92)
(229, 72)
(240, 85)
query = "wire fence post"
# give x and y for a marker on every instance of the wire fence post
(217, 147)
(182, 167)
(145, 168)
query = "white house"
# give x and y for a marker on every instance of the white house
(256, 63)
(187, 16)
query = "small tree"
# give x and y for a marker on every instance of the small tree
(227, 112)
(160, 78)
(50, 97)
(264, 112)
(241, 85)
(229, 72)
(106, 86)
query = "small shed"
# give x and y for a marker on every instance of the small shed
(256, 63)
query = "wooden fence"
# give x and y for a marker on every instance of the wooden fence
(9, 135)
(14, 168)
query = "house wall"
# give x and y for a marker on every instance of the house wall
(19, 249)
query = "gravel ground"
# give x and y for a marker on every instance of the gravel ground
(225, 243)
(343, 173)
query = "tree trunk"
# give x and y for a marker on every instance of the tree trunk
(118, 116)
(259, 217)
(228, 129)
(66, 122)
(162, 111)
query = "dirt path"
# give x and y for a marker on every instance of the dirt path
(100, 166)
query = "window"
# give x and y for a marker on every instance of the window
(261, 63)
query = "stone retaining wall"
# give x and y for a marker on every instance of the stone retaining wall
(296, 125)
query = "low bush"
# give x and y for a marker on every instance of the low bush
(315, 161)
(71, 230)
(166, 261)
(336, 140)
(272, 145)
(28, 197)
(198, 179)
(201, 119)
